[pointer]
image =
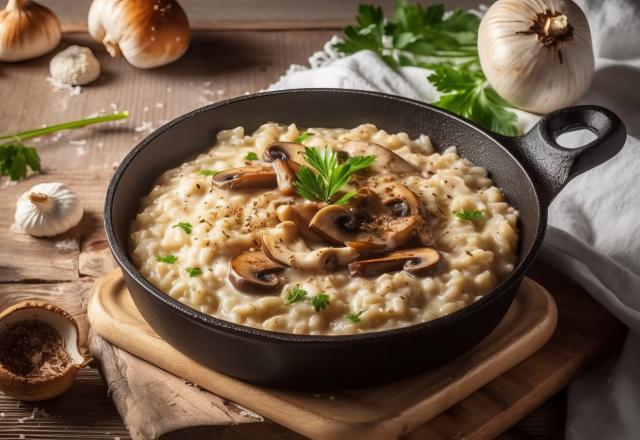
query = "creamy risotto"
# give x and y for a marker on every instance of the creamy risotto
(418, 234)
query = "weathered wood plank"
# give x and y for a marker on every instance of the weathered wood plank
(218, 65)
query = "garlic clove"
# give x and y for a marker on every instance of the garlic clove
(27, 30)
(55, 375)
(75, 66)
(48, 209)
(147, 34)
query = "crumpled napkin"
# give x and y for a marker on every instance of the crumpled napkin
(594, 232)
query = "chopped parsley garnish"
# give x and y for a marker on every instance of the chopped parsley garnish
(445, 43)
(296, 295)
(170, 259)
(193, 272)
(320, 301)
(251, 156)
(303, 137)
(208, 172)
(186, 227)
(324, 176)
(469, 215)
(355, 317)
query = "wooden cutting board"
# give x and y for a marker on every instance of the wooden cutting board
(378, 413)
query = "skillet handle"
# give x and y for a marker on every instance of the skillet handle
(552, 166)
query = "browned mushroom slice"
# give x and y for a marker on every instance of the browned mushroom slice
(284, 244)
(386, 160)
(253, 271)
(246, 178)
(284, 156)
(332, 223)
(415, 261)
(301, 215)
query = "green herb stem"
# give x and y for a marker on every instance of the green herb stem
(30, 134)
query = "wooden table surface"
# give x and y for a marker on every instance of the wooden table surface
(218, 65)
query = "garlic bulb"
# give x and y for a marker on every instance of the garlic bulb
(48, 209)
(27, 30)
(536, 54)
(147, 33)
(75, 66)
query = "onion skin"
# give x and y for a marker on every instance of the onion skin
(531, 71)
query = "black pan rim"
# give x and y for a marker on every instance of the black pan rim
(213, 323)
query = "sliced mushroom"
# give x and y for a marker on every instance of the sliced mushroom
(253, 177)
(301, 215)
(415, 261)
(376, 220)
(253, 271)
(284, 156)
(284, 245)
(386, 160)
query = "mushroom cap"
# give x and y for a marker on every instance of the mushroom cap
(386, 160)
(249, 177)
(330, 223)
(284, 151)
(415, 261)
(49, 386)
(376, 220)
(283, 244)
(253, 271)
(301, 215)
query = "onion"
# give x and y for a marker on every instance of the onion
(536, 54)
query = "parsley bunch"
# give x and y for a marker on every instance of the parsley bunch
(325, 175)
(15, 157)
(445, 43)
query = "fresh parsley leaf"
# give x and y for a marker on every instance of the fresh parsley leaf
(469, 215)
(251, 156)
(443, 42)
(296, 295)
(209, 172)
(170, 259)
(320, 301)
(186, 227)
(193, 272)
(303, 137)
(355, 317)
(325, 175)
(15, 158)
(467, 93)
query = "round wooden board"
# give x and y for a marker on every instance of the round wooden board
(408, 404)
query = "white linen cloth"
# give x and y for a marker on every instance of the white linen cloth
(594, 232)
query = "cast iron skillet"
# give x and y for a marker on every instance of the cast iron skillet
(530, 169)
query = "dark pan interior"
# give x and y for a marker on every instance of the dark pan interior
(191, 134)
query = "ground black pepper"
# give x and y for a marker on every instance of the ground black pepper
(32, 349)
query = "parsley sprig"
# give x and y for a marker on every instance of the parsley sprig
(319, 301)
(355, 317)
(169, 259)
(185, 226)
(303, 137)
(16, 158)
(443, 43)
(469, 215)
(324, 176)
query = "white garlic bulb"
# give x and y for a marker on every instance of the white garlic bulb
(147, 33)
(48, 209)
(27, 30)
(536, 54)
(75, 66)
